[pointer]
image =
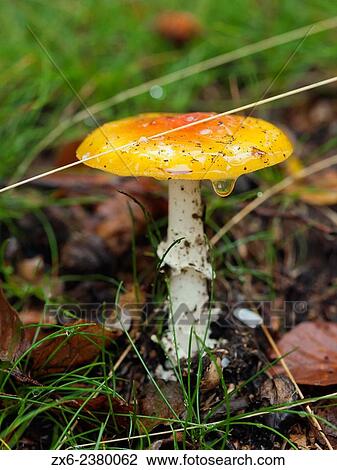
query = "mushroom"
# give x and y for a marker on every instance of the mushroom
(219, 150)
(179, 27)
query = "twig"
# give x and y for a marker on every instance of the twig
(312, 418)
(123, 356)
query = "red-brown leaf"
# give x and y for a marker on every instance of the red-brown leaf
(114, 222)
(84, 342)
(12, 343)
(152, 403)
(101, 405)
(61, 353)
(313, 360)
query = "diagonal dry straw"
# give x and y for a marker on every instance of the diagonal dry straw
(199, 67)
(175, 129)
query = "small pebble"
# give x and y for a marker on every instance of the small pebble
(248, 317)
(225, 362)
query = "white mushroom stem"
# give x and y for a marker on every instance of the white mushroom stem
(190, 268)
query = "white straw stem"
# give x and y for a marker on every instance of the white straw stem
(170, 131)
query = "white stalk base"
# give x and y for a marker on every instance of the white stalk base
(190, 269)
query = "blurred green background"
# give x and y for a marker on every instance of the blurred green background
(104, 47)
(111, 53)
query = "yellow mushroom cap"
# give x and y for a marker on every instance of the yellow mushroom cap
(223, 148)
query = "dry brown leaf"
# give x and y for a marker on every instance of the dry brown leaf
(329, 415)
(299, 437)
(276, 391)
(114, 220)
(211, 375)
(12, 342)
(115, 223)
(313, 360)
(119, 217)
(311, 115)
(81, 345)
(31, 316)
(152, 403)
(31, 269)
(101, 404)
(318, 190)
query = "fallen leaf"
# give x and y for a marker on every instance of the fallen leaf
(101, 405)
(311, 115)
(275, 392)
(115, 223)
(329, 415)
(31, 269)
(12, 340)
(78, 343)
(318, 189)
(119, 217)
(152, 404)
(312, 348)
(299, 438)
(31, 316)
(212, 372)
(110, 219)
